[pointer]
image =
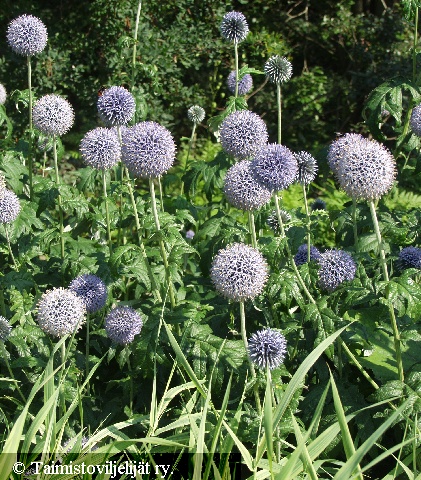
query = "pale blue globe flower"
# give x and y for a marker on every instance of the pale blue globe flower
(27, 35)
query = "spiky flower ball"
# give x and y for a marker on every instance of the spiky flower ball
(307, 167)
(190, 234)
(122, 324)
(415, 121)
(148, 149)
(318, 204)
(60, 312)
(9, 206)
(196, 114)
(234, 27)
(27, 35)
(100, 148)
(243, 190)
(301, 257)
(339, 148)
(336, 267)
(273, 223)
(91, 289)
(243, 134)
(239, 272)
(275, 166)
(244, 85)
(410, 257)
(5, 329)
(278, 69)
(267, 348)
(3, 94)
(53, 115)
(116, 106)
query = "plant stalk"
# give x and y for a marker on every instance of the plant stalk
(188, 156)
(107, 211)
(60, 208)
(30, 163)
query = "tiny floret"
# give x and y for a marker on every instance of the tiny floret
(9, 206)
(234, 27)
(278, 69)
(245, 84)
(5, 329)
(336, 267)
(415, 121)
(196, 114)
(100, 148)
(239, 272)
(60, 312)
(92, 290)
(243, 134)
(307, 168)
(301, 256)
(122, 324)
(267, 348)
(148, 150)
(53, 115)
(116, 106)
(410, 257)
(3, 94)
(27, 35)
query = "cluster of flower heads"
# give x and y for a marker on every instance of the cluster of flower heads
(92, 290)
(336, 267)
(301, 256)
(415, 121)
(116, 106)
(53, 115)
(234, 27)
(5, 329)
(9, 205)
(196, 114)
(307, 167)
(267, 348)
(122, 324)
(278, 69)
(410, 257)
(245, 84)
(101, 148)
(148, 149)
(3, 94)
(27, 35)
(239, 272)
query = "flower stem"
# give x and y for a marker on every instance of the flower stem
(136, 30)
(60, 209)
(30, 127)
(4, 354)
(252, 229)
(354, 223)
(6, 230)
(279, 102)
(188, 155)
(87, 352)
(236, 69)
(308, 222)
(414, 47)
(107, 212)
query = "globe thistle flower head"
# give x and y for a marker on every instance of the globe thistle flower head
(9, 206)
(91, 289)
(301, 256)
(27, 35)
(5, 329)
(243, 134)
(196, 114)
(148, 150)
(273, 223)
(243, 190)
(307, 168)
(60, 312)
(278, 69)
(275, 166)
(100, 148)
(190, 234)
(336, 267)
(318, 204)
(122, 324)
(3, 94)
(267, 348)
(409, 257)
(245, 84)
(339, 148)
(239, 272)
(234, 27)
(53, 115)
(116, 106)
(415, 121)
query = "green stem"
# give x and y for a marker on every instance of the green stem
(161, 195)
(87, 349)
(2, 305)
(60, 209)
(252, 229)
(236, 68)
(188, 155)
(4, 356)
(30, 165)
(358, 364)
(354, 223)
(414, 48)
(279, 102)
(136, 30)
(131, 385)
(107, 212)
(308, 222)
(6, 230)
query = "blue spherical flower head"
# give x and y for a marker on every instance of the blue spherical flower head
(410, 257)
(116, 106)
(100, 148)
(243, 134)
(318, 204)
(53, 115)
(5, 329)
(278, 69)
(3, 94)
(336, 267)
(273, 222)
(243, 190)
(275, 166)
(27, 35)
(339, 149)
(196, 114)
(234, 27)
(245, 84)
(307, 168)
(122, 324)
(267, 348)
(148, 150)
(9, 206)
(300, 257)
(92, 290)
(415, 121)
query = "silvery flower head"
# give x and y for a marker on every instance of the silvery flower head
(267, 348)
(196, 114)
(275, 166)
(116, 106)
(190, 234)
(245, 84)
(273, 222)
(307, 167)
(339, 148)
(5, 329)
(336, 267)
(100, 148)
(91, 289)
(318, 204)
(278, 69)
(243, 190)
(301, 257)
(53, 115)
(415, 121)
(27, 35)
(3, 94)
(148, 150)
(234, 27)
(243, 134)
(122, 324)
(239, 272)
(60, 312)
(410, 257)
(9, 206)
